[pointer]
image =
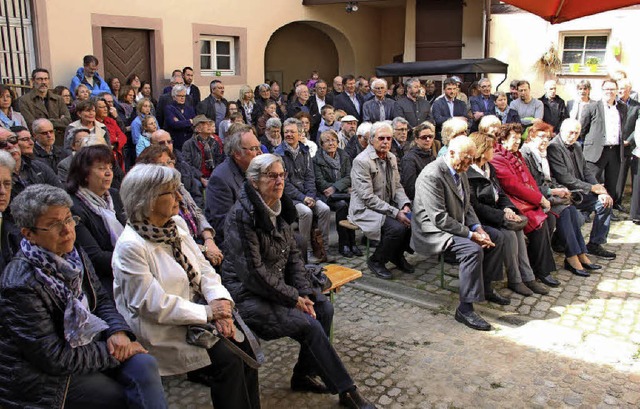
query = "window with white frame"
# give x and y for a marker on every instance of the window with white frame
(581, 52)
(217, 55)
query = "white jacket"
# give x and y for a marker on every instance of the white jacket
(152, 292)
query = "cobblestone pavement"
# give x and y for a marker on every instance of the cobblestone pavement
(579, 346)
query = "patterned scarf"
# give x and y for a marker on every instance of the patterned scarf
(334, 163)
(188, 211)
(63, 276)
(167, 234)
(103, 207)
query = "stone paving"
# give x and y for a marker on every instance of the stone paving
(578, 347)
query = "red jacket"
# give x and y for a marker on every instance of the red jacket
(518, 183)
(117, 138)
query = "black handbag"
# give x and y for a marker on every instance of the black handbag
(515, 226)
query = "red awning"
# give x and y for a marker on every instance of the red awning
(558, 11)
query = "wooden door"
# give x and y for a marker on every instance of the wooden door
(438, 30)
(126, 51)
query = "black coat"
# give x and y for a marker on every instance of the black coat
(489, 210)
(93, 237)
(342, 101)
(9, 239)
(33, 172)
(552, 116)
(52, 160)
(263, 268)
(325, 177)
(36, 362)
(189, 179)
(410, 167)
(301, 179)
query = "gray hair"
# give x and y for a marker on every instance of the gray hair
(263, 87)
(273, 123)
(378, 81)
(488, 121)
(261, 164)
(410, 81)
(178, 88)
(364, 128)
(293, 121)
(570, 124)
(233, 143)
(461, 144)
(92, 140)
(75, 131)
(142, 186)
(483, 80)
(34, 201)
(452, 127)
(378, 126)
(499, 94)
(38, 123)
(301, 88)
(7, 161)
(399, 120)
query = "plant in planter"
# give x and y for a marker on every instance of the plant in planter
(593, 63)
(574, 67)
(549, 63)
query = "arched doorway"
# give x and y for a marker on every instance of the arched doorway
(296, 49)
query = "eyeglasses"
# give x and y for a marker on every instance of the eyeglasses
(181, 96)
(169, 142)
(47, 132)
(275, 175)
(330, 141)
(252, 149)
(384, 138)
(425, 137)
(57, 227)
(24, 139)
(10, 140)
(402, 129)
(609, 89)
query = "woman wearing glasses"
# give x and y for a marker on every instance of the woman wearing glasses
(63, 342)
(423, 151)
(178, 117)
(265, 273)
(160, 277)
(98, 206)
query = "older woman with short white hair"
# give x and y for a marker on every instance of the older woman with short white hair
(160, 275)
(178, 117)
(9, 233)
(450, 129)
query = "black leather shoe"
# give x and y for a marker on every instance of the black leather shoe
(636, 221)
(379, 269)
(306, 383)
(591, 266)
(354, 400)
(345, 251)
(404, 266)
(570, 268)
(549, 281)
(356, 251)
(599, 251)
(496, 298)
(620, 208)
(473, 320)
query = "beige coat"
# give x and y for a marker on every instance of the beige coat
(368, 184)
(99, 130)
(152, 293)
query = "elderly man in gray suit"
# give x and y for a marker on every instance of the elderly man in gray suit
(379, 205)
(444, 221)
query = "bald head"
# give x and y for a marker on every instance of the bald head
(162, 137)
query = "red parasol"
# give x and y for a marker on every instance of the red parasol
(558, 11)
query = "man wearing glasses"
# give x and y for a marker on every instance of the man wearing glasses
(555, 110)
(603, 135)
(379, 205)
(483, 104)
(379, 108)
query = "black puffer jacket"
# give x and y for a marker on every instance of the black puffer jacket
(263, 268)
(411, 165)
(324, 173)
(36, 362)
(489, 210)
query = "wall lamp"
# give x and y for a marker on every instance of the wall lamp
(351, 7)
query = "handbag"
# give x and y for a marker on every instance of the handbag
(317, 276)
(317, 244)
(515, 226)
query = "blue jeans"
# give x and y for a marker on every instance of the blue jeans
(134, 384)
(601, 221)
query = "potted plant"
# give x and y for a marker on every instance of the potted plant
(574, 67)
(593, 62)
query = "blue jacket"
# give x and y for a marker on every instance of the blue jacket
(301, 179)
(99, 85)
(477, 105)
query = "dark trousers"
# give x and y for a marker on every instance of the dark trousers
(394, 241)
(601, 221)
(346, 237)
(478, 266)
(622, 178)
(539, 250)
(635, 195)
(607, 169)
(134, 384)
(568, 232)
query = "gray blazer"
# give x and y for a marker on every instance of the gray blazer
(368, 184)
(371, 110)
(439, 212)
(593, 129)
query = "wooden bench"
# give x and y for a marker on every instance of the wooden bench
(339, 276)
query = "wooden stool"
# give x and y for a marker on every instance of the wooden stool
(348, 225)
(339, 276)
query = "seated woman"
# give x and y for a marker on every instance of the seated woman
(86, 111)
(126, 106)
(264, 271)
(9, 233)
(270, 111)
(117, 138)
(494, 208)
(63, 342)
(450, 129)
(67, 98)
(272, 137)
(98, 206)
(143, 110)
(422, 152)
(178, 117)
(149, 126)
(503, 112)
(159, 274)
(489, 124)
(232, 108)
(9, 117)
(199, 228)
(534, 152)
(333, 178)
(518, 184)
(305, 136)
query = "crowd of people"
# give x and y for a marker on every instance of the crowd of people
(131, 226)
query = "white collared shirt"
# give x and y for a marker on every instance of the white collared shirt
(612, 125)
(320, 103)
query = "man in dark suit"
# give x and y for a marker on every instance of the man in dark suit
(569, 167)
(226, 179)
(350, 101)
(448, 106)
(380, 108)
(444, 221)
(555, 110)
(318, 101)
(629, 129)
(192, 89)
(603, 136)
(214, 106)
(483, 104)
(337, 88)
(414, 109)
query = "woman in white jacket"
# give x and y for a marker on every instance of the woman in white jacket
(159, 273)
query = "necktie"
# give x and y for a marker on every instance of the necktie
(456, 178)
(381, 107)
